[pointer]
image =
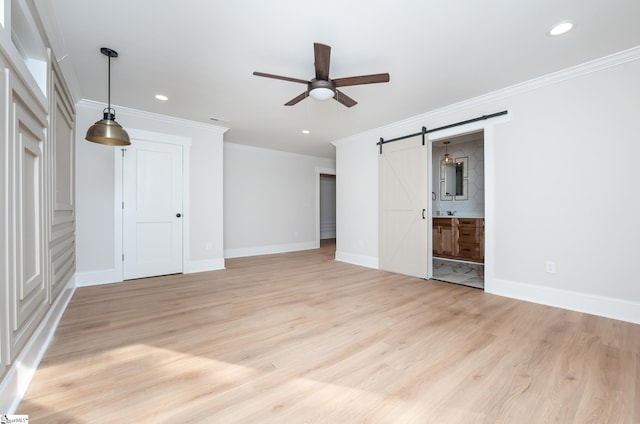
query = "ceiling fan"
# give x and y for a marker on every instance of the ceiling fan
(322, 87)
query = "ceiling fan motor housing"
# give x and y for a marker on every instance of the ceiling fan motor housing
(322, 84)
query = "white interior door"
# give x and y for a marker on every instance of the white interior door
(152, 209)
(404, 208)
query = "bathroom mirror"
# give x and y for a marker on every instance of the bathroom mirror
(454, 179)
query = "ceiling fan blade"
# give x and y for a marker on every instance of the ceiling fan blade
(296, 99)
(278, 77)
(344, 99)
(362, 79)
(322, 55)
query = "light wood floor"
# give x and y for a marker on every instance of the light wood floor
(301, 338)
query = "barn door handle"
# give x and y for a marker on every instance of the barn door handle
(423, 210)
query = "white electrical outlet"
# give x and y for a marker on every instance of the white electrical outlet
(551, 267)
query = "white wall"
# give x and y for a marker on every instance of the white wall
(270, 200)
(96, 227)
(357, 201)
(562, 132)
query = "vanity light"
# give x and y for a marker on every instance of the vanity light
(447, 159)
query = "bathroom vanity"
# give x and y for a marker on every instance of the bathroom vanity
(458, 238)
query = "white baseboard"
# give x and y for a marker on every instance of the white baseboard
(203, 265)
(94, 278)
(361, 260)
(620, 309)
(15, 383)
(269, 250)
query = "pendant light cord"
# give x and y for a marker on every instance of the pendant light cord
(109, 84)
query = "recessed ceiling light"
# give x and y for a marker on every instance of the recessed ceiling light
(162, 97)
(561, 28)
(306, 132)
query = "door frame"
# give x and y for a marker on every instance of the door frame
(319, 171)
(489, 189)
(118, 192)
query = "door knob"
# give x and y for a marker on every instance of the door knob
(178, 215)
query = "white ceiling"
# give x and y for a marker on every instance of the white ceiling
(201, 54)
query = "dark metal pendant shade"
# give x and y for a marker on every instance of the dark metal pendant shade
(107, 130)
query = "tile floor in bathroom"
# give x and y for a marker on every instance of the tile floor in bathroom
(465, 273)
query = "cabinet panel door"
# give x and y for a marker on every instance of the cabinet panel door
(447, 240)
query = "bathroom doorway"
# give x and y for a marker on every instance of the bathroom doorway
(458, 196)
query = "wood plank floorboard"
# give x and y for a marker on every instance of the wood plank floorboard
(301, 338)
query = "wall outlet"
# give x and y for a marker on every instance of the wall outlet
(551, 267)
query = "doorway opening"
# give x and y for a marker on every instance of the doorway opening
(327, 211)
(458, 209)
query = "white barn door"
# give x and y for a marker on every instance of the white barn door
(404, 208)
(152, 209)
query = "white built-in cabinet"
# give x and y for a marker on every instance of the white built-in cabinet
(37, 217)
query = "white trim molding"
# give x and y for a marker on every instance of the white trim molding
(96, 278)
(269, 250)
(417, 121)
(90, 104)
(360, 260)
(15, 383)
(608, 307)
(204, 265)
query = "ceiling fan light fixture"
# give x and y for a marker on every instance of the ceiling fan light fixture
(321, 93)
(322, 90)
(107, 131)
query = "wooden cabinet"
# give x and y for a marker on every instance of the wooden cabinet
(442, 236)
(470, 239)
(459, 238)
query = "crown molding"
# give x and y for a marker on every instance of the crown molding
(573, 72)
(136, 113)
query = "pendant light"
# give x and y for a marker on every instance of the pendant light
(447, 159)
(107, 130)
